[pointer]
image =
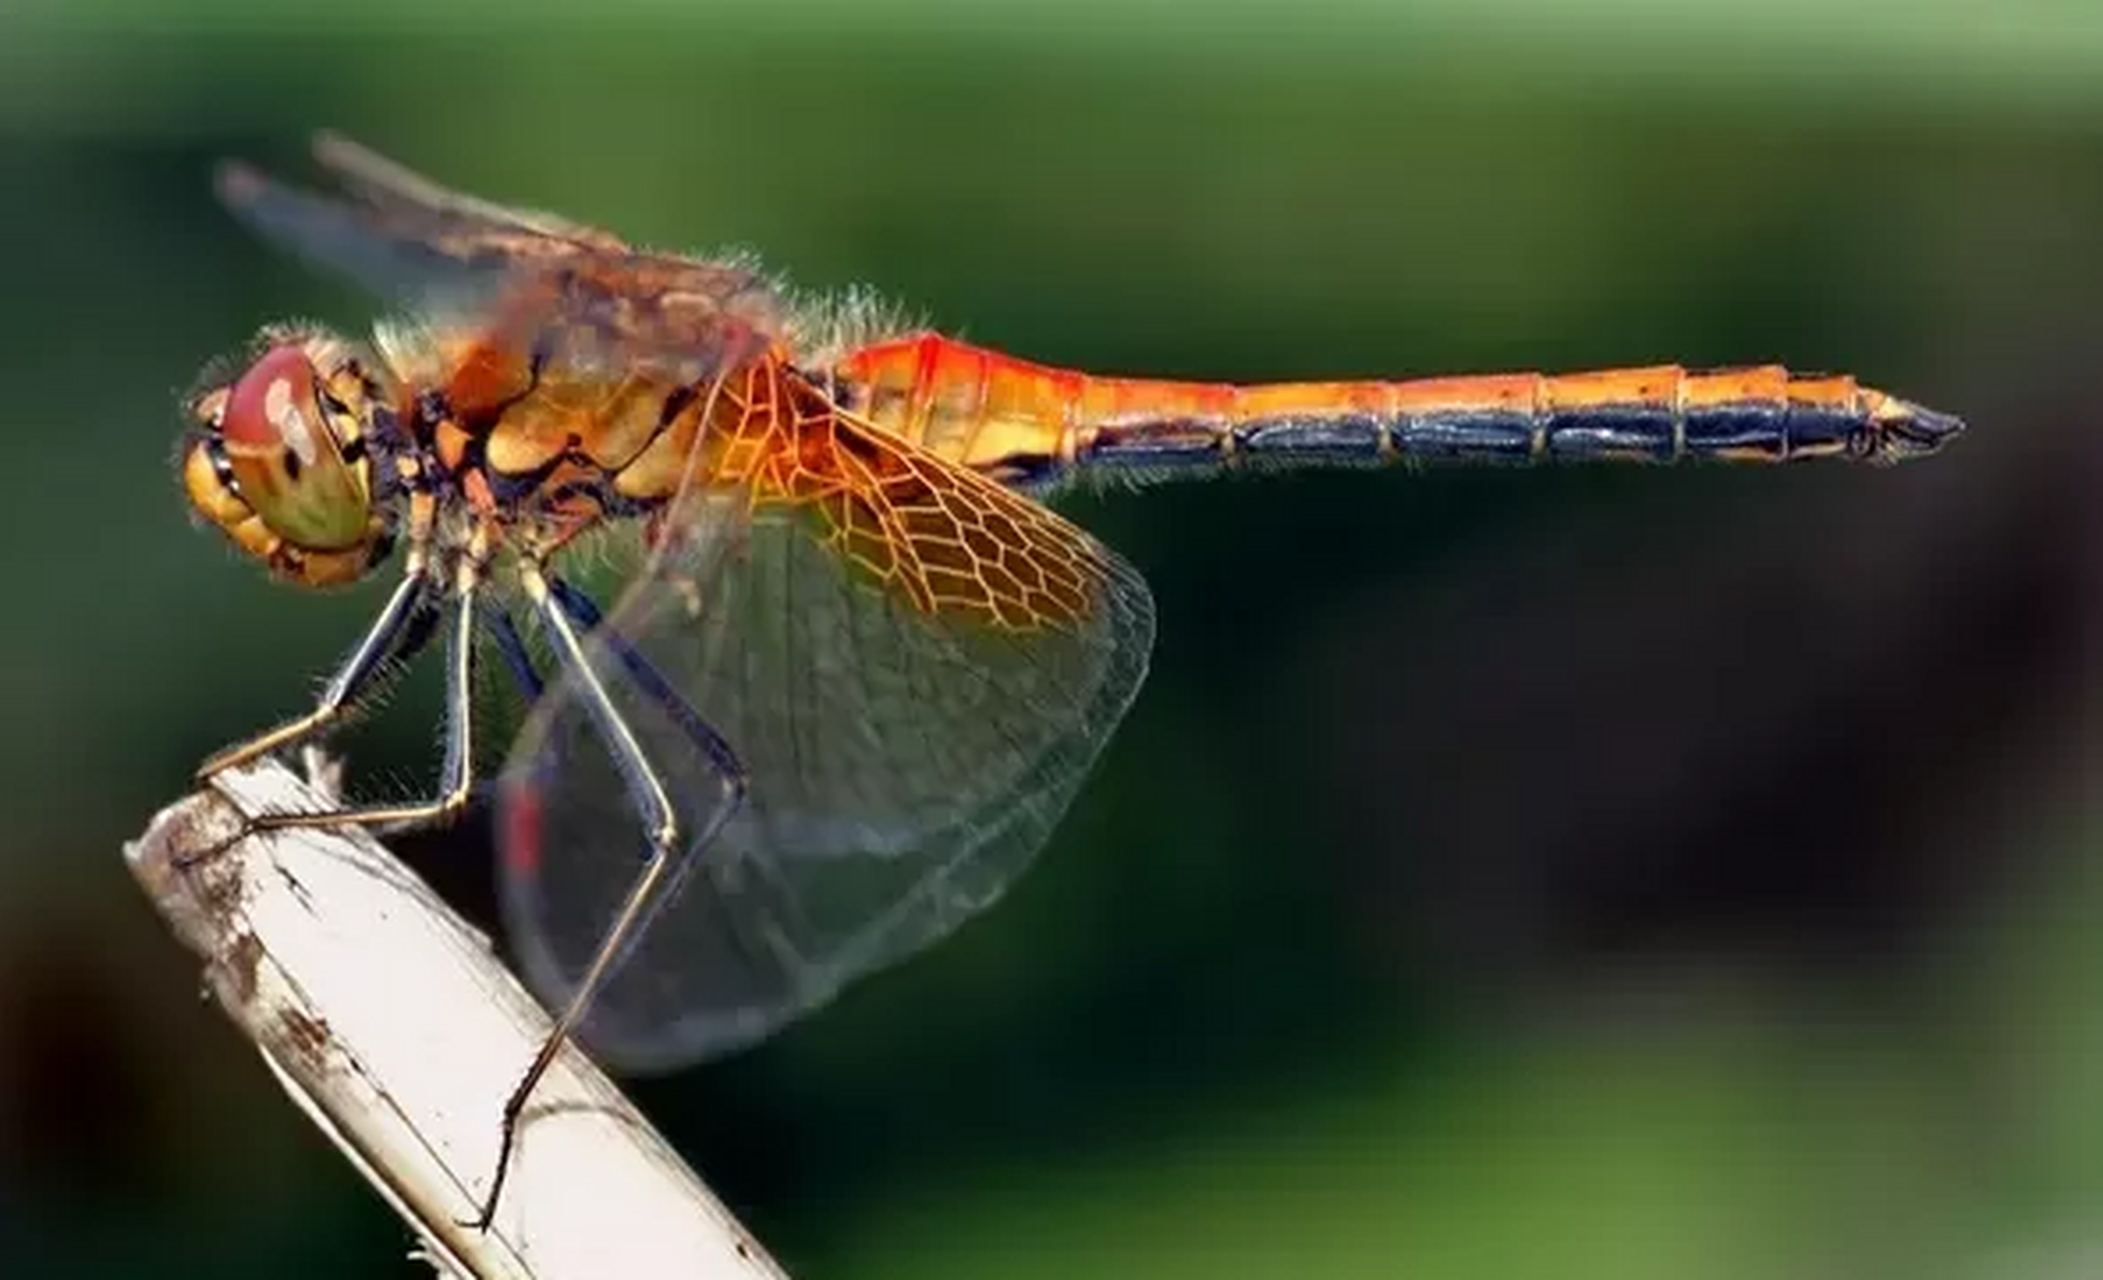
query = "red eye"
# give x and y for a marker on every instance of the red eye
(273, 407)
(284, 452)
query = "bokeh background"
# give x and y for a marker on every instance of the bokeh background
(1613, 872)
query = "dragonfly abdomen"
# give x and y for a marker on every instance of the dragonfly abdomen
(1660, 415)
(1030, 424)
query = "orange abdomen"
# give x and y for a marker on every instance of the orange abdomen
(1032, 424)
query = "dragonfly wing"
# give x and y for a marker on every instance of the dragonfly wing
(532, 282)
(916, 672)
(416, 257)
(389, 183)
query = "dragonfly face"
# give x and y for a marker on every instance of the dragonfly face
(281, 460)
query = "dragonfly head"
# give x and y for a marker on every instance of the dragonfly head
(277, 457)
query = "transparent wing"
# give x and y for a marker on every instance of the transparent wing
(522, 282)
(409, 254)
(384, 182)
(916, 667)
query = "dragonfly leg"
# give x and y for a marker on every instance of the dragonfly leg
(701, 733)
(456, 773)
(401, 630)
(677, 709)
(498, 625)
(565, 614)
(396, 634)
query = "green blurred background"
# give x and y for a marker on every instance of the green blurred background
(1612, 872)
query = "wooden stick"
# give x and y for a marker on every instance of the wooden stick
(395, 1028)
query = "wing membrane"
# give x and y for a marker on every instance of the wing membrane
(529, 282)
(910, 746)
(389, 183)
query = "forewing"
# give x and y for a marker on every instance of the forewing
(389, 183)
(916, 668)
(530, 283)
(413, 255)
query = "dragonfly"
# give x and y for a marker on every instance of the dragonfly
(853, 666)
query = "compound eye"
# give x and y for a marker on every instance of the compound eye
(286, 454)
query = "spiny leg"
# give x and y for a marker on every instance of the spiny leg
(559, 609)
(511, 648)
(456, 772)
(394, 635)
(585, 614)
(498, 625)
(713, 745)
(399, 632)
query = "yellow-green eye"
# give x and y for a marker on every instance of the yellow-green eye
(287, 458)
